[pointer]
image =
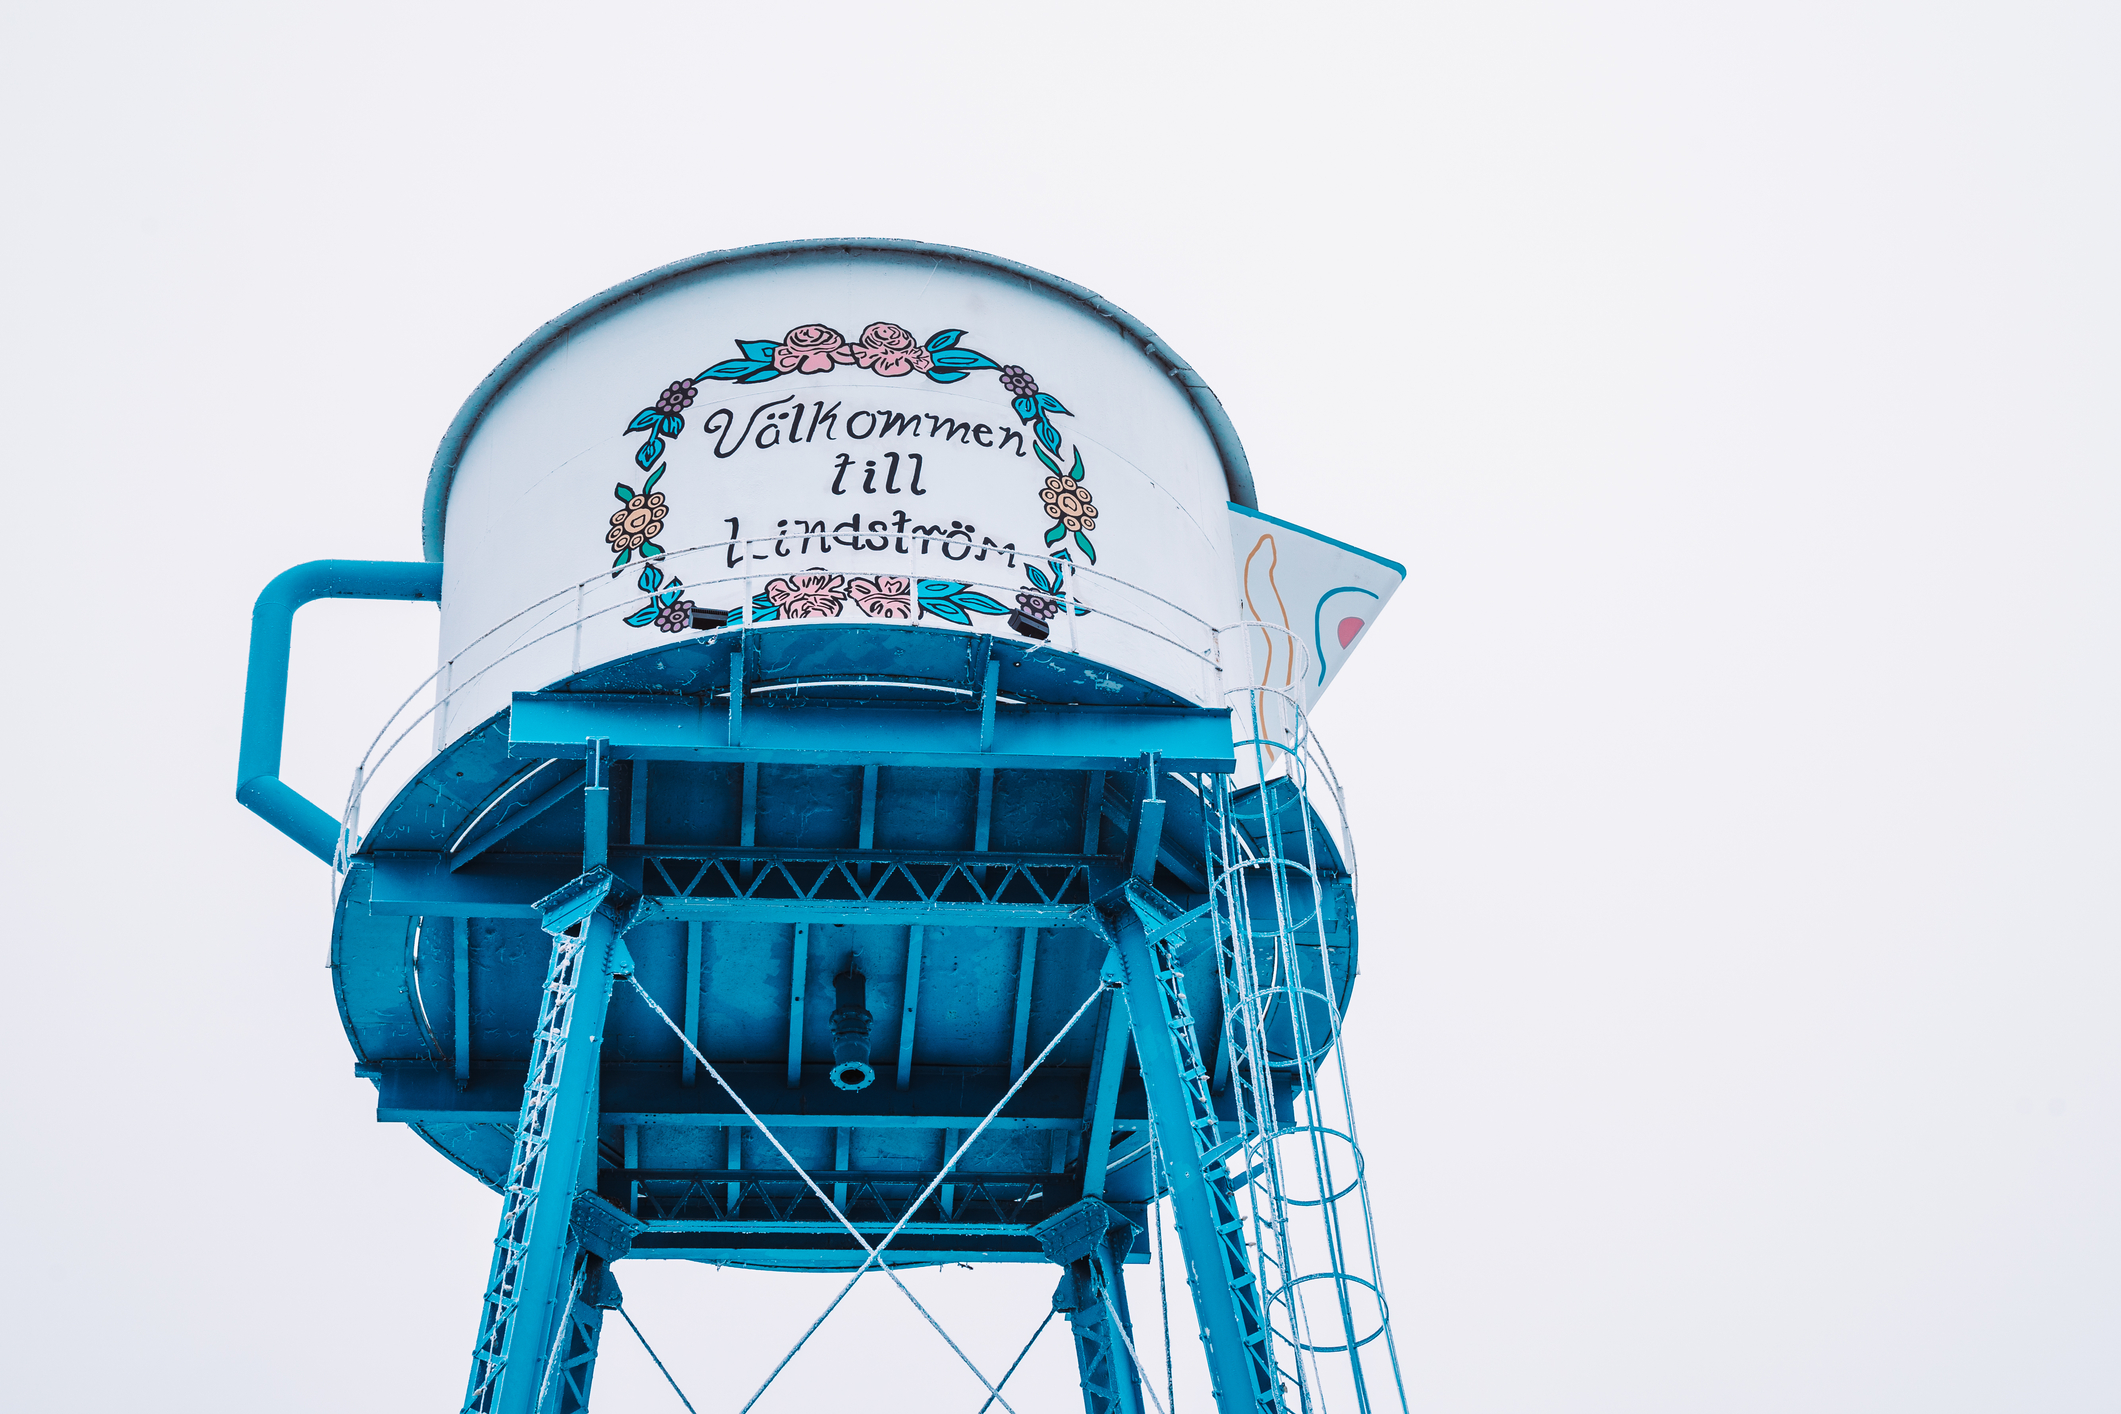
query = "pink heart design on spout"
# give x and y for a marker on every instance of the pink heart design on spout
(1348, 629)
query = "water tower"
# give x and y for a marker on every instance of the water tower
(864, 815)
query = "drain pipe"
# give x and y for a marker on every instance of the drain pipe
(850, 1029)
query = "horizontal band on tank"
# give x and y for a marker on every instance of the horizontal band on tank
(1022, 736)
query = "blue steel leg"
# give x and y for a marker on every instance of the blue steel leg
(1111, 1384)
(567, 1387)
(1090, 1241)
(1182, 1112)
(536, 1264)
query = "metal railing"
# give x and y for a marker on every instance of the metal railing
(1094, 591)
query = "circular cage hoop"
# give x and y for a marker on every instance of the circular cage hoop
(1286, 749)
(1354, 1150)
(853, 1075)
(1275, 931)
(1384, 1315)
(1261, 861)
(1267, 1013)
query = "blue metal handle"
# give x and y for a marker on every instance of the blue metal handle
(272, 622)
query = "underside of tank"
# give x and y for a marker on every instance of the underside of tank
(865, 884)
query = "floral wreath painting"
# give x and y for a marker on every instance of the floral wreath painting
(888, 351)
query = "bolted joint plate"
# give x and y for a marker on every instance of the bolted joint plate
(1075, 1232)
(603, 1229)
(595, 890)
(1151, 909)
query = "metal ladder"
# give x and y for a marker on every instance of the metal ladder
(1163, 924)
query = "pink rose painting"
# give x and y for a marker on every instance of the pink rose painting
(885, 597)
(811, 348)
(890, 352)
(811, 595)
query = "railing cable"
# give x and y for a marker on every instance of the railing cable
(1018, 1361)
(874, 1252)
(661, 1366)
(1112, 1314)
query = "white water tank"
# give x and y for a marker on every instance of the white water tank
(852, 431)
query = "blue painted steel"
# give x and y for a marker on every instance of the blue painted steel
(1182, 1111)
(555, 725)
(258, 783)
(482, 836)
(1010, 790)
(529, 1289)
(573, 1361)
(1090, 1241)
(1237, 470)
(1108, 1066)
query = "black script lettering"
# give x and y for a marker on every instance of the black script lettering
(780, 546)
(960, 536)
(820, 414)
(915, 457)
(1007, 436)
(842, 463)
(891, 476)
(747, 426)
(869, 478)
(901, 423)
(852, 542)
(883, 544)
(983, 434)
(734, 559)
(861, 412)
(1009, 549)
(718, 422)
(924, 535)
(899, 519)
(953, 428)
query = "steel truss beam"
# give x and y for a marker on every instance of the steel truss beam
(714, 882)
(926, 881)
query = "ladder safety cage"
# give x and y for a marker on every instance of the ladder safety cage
(1300, 1184)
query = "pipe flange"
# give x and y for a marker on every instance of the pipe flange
(853, 1075)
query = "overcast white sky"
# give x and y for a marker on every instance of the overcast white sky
(1735, 777)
